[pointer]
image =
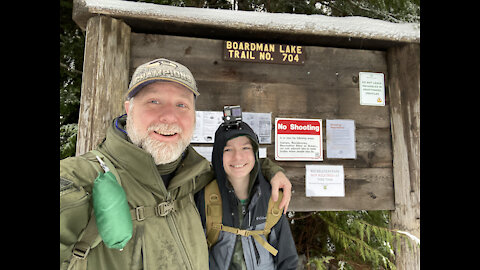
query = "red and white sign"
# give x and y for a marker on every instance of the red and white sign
(298, 139)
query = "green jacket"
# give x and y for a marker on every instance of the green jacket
(176, 241)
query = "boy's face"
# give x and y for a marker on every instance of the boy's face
(238, 158)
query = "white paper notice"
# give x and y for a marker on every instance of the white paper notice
(261, 123)
(372, 88)
(324, 181)
(209, 121)
(298, 139)
(262, 152)
(341, 139)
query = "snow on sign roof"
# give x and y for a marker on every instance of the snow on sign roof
(345, 27)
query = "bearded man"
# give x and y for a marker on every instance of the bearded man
(150, 150)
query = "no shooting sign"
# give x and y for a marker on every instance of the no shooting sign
(298, 139)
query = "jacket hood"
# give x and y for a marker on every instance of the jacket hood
(257, 187)
(222, 136)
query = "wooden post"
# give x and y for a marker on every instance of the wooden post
(104, 80)
(404, 87)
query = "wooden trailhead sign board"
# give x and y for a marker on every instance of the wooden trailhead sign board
(317, 77)
(323, 84)
(306, 73)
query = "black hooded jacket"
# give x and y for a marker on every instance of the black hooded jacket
(255, 255)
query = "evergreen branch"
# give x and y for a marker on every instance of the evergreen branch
(320, 262)
(385, 14)
(70, 69)
(403, 234)
(332, 7)
(411, 236)
(365, 250)
(302, 217)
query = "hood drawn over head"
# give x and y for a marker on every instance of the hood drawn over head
(222, 136)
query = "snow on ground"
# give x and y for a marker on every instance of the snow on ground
(314, 24)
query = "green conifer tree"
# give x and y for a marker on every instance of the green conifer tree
(350, 239)
(72, 41)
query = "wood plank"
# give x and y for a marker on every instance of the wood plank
(333, 66)
(226, 24)
(306, 100)
(373, 148)
(104, 79)
(404, 84)
(366, 188)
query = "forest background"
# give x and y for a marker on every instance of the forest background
(324, 240)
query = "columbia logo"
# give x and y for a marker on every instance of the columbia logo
(261, 218)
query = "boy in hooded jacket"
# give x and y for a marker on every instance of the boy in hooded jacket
(245, 195)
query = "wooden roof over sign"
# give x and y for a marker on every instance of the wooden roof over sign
(319, 30)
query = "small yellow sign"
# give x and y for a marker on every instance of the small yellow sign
(372, 88)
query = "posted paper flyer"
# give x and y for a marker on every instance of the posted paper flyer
(298, 139)
(324, 181)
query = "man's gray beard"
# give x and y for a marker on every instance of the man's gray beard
(162, 152)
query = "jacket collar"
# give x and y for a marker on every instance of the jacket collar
(140, 164)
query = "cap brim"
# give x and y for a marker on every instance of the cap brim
(138, 86)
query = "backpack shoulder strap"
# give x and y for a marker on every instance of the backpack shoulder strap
(213, 218)
(213, 212)
(88, 240)
(273, 216)
(273, 213)
(90, 237)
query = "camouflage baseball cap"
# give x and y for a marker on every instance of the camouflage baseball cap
(161, 70)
